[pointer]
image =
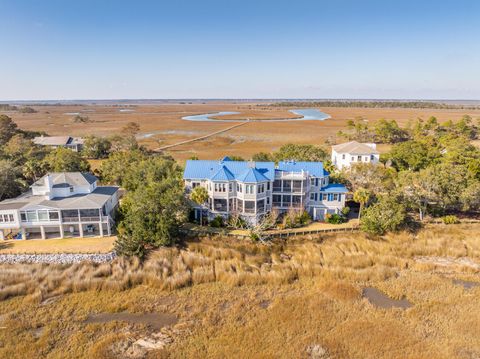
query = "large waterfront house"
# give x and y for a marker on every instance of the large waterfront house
(60, 205)
(346, 154)
(252, 189)
(73, 143)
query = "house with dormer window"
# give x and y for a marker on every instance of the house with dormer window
(252, 189)
(64, 204)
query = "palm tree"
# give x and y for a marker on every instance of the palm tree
(199, 195)
(361, 196)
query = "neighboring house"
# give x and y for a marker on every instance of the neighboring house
(346, 154)
(59, 205)
(73, 143)
(252, 189)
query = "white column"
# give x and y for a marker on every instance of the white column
(62, 233)
(42, 232)
(109, 230)
(80, 229)
(100, 227)
(24, 233)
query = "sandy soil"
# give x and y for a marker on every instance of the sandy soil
(165, 122)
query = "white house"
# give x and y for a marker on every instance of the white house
(73, 143)
(252, 189)
(346, 154)
(59, 205)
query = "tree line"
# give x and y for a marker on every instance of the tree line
(376, 104)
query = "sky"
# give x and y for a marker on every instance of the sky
(115, 49)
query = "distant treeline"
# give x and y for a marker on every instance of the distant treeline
(376, 104)
(25, 109)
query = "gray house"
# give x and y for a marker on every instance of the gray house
(60, 205)
(73, 143)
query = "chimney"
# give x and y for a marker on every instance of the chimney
(48, 185)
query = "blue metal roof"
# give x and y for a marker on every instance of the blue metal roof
(251, 175)
(315, 169)
(223, 174)
(204, 169)
(335, 188)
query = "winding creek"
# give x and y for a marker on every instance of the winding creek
(309, 114)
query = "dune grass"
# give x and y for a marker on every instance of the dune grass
(237, 299)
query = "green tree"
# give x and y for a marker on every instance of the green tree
(11, 184)
(262, 157)
(18, 148)
(96, 147)
(375, 178)
(412, 155)
(65, 160)
(386, 215)
(151, 216)
(301, 153)
(389, 132)
(114, 169)
(361, 196)
(199, 195)
(8, 129)
(149, 170)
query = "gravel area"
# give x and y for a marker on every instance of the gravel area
(60, 258)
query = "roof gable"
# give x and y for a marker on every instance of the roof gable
(355, 148)
(204, 169)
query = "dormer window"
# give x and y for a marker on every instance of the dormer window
(71, 189)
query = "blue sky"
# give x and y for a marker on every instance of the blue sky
(108, 49)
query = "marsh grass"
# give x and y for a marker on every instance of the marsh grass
(237, 299)
(236, 263)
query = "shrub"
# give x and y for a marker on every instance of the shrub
(451, 219)
(383, 216)
(334, 218)
(217, 222)
(345, 211)
(294, 218)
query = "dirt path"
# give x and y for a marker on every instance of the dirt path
(201, 137)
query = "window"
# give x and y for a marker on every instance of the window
(316, 182)
(353, 159)
(32, 216)
(335, 197)
(312, 181)
(230, 187)
(359, 158)
(1, 219)
(268, 186)
(343, 156)
(366, 159)
(316, 196)
(53, 215)
(249, 189)
(71, 189)
(312, 196)
(239, 187)
(268, 200)
(23, 216)
(372, 157)
(43, 215)
(261, 188)
(195, 184)
(249, 206)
